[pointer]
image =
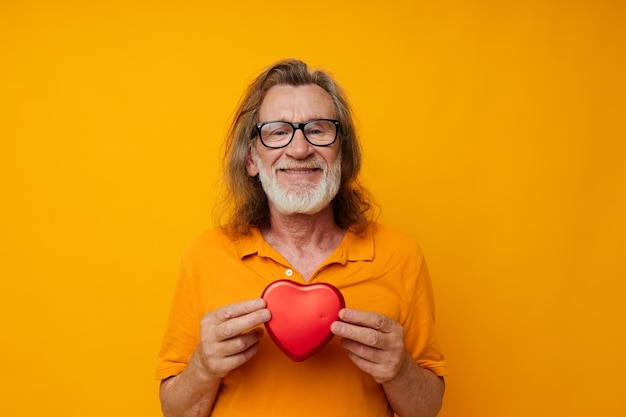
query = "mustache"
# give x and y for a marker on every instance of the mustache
(310, 164)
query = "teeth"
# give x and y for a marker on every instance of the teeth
(299, 169)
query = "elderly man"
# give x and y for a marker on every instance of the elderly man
(297, 211)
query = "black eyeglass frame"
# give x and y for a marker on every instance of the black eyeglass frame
(298, 126)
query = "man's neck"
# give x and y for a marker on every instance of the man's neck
(304, 240)
(303, 230)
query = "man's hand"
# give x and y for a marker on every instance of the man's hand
(229, 336)
(375, 343)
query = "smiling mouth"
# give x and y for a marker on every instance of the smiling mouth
(299, 170)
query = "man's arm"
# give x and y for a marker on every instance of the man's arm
(229, 338)
(191, 393)
(375, 344)
(415, 391)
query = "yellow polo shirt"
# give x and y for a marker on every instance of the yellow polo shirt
(382, 271)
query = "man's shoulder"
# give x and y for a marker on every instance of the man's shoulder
(218, 241)
(209, 239)
(393, 238)
(382, 230)
(208, 236)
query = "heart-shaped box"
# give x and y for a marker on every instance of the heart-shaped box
(301, 316)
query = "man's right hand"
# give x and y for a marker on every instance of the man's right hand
(229, 336)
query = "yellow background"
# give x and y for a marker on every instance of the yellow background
(493, 132)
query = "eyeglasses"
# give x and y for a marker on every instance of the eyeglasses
(277, 134)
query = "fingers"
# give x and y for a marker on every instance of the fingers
(374, 342)
(237, 344)
(234, 319)
(220, 359)
(229, 335)
(368, 328)
(237, 309)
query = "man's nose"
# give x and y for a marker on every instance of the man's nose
(299, 146)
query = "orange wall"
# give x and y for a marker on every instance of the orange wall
(494, 134)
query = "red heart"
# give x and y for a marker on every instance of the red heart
(301, 316)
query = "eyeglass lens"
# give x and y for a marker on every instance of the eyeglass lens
(318, 132)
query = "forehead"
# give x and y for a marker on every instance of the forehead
(297, 103)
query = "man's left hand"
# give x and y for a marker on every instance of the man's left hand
(374, 342)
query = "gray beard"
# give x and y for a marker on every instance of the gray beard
(304, 198)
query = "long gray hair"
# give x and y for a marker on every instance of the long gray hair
(244, 202)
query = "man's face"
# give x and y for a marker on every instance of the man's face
(299, 178)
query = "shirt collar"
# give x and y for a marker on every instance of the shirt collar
(353, 247)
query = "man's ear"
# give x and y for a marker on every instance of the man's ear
(251, 167)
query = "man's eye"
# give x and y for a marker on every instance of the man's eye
(279, 133)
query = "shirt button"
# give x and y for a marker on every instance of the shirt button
(289, 272)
